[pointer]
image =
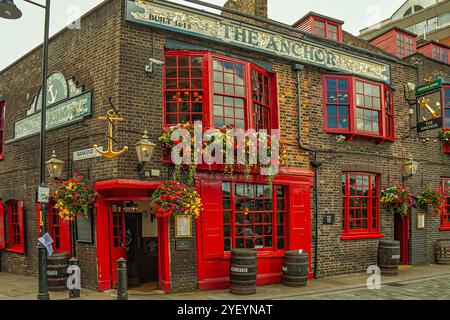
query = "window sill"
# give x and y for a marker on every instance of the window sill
(15, 250)
(444, 228)
(361, 236)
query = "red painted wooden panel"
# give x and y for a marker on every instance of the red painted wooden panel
(212, 219)
(299, 217)
(2, 226)
(21, 248)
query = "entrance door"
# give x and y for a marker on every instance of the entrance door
(133, 245)
(401, 233)
(117, 237)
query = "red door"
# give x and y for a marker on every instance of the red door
(117, 237)
(401, 233)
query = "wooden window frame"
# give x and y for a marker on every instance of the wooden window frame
(326, 31)
(208, 88)
(63, 227)
(404, 45)
(352, 130)
(362, 233)
(2, 129)
(445, 215)
(445, 101)
(15, 228)
(275, 224)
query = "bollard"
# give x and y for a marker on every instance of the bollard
(122, 285)
(42, 265)
(74, 281)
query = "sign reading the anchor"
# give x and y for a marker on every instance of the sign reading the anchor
(429, 105)
(112, 116)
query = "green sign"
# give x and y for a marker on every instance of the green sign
(66, 104)
(433, 85)
(217, 28)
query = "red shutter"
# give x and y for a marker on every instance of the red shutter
(299, 218)
(2, 226)
(21, 248)
(212, 219)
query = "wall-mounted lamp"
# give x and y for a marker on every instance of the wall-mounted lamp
(410, 169)
(144, 151)
(54, 166)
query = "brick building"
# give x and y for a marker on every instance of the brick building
(350, 128)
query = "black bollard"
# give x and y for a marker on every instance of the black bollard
(74, 289)
(122, 285)
(42, 269)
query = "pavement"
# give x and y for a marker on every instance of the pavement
(428, 282)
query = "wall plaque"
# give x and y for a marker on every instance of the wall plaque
(182, 245)
(183, 226)
(84, 228)
(217, 28)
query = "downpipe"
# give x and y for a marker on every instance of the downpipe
(315, 164)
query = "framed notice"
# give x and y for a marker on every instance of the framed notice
(84, 228)
(183, 226)
(420, 220)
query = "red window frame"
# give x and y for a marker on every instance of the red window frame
(353, 206)
(59, 230)
(2, 129)
(404, 45)
(14, 240)
(352, 129)
(445, 216)
(272, 217)
(437, 53)
(209, 90)
(366, 107)
(446, 106)
(321, 27)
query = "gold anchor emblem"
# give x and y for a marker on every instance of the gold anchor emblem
(424, 103)
(111, 116)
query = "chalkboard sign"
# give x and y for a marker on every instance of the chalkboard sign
(84, 228)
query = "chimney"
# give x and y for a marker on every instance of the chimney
(253, 7)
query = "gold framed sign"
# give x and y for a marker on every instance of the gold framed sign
(420, 220)
(183, 226)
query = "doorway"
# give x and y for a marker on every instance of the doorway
(134, 237)
(401, 234)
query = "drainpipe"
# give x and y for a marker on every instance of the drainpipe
(315, 164)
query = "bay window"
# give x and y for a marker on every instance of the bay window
(218, 91)
(354, 106)
(254, 216)
(360, 205)
(445, 216)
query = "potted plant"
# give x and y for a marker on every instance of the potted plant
(175, 196)
(397, 198)
(444, 136)
(74, 197)
(432, 197)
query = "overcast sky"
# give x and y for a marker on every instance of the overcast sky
(20, 36)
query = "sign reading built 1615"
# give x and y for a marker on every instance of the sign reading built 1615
(217, 28)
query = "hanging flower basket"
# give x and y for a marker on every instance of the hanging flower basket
(74, 197)
(175, 196)
(397, 198)
(432, 197)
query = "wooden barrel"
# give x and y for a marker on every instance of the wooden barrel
(443, 252)
(295, 269)
(388, 257)
(243, 268)
(57, 265)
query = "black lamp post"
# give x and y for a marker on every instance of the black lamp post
(9, 10)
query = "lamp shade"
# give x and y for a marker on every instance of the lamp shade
(411, 167)
(54, 166)
(144, 149)
(8, 10)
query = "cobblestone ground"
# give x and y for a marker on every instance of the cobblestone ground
(425, 289)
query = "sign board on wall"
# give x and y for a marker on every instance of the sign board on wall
(213, 27)
(86, 154)
(84, 228)
(66, 104)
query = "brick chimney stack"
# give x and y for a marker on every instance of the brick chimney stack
(253, 7)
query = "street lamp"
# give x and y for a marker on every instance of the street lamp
(144, 151)
(54, 166)
(8, 10)
(410, 169)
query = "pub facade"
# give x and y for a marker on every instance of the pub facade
(344, 108)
